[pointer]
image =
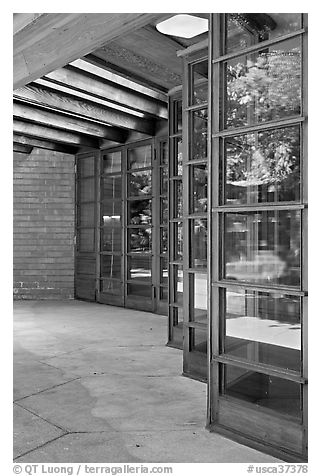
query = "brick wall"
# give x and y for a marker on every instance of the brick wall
(43, 225)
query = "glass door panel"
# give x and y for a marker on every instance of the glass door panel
(111, 289)
(133, 203)
(139, 250)
(258, 304)
(86, 233)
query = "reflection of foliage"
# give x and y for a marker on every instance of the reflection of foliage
(199, 146)
(140, 183)
(140, 212)
(140, 239)
(200, 240)
(270, 159)
(265, 89)
(200, 188)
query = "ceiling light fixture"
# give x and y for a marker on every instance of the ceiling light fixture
(185, 26)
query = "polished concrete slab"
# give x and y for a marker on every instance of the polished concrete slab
(95, 383)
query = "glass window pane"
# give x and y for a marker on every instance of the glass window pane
(86, 265)
(199, 134)
(245, 29)
(263, 247)
(199, 74)
(263, 328)
(177, 284)
(198, 177)
(140, 240)
(177, 116)
(112, 210)
(112, 162)
(198, 340)
(140, 157)
(112, 187)
(178, 156)
(140, 212)
(198, 294)
(178, 198)
(111, 287)
(140, 268)
(86, 190)
(263, 167)
(177, 316)
(112, 236)
(164, 153)
(163, 211)
(163, 245)
(163, 180)
(282, 396)
(140, 183)
(139, 290)
(163, 294)
(264, 86)
(178, 241)
(110, 266)
(163, 270)
(86, 166)
(86, 242)
(198, 243)
(86, 214)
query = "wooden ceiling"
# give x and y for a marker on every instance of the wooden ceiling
(91, 80)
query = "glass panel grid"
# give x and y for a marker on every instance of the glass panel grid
(262, 327)
(264, 86)
(263, 247)
(261, 390)
(263, 167)
(140, 157)
(198, 142)
(246, 29)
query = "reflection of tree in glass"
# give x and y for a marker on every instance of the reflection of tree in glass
(200, 188)
(264, 89)
(140, 212)
(269, 161)
(140, 239)
(140, 183)
(199, 141)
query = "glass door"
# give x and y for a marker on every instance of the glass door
(133, 226)
(175, 266)
(258, 339)
(111, 254)
(139, 227)
(195, 214)
(86, 230)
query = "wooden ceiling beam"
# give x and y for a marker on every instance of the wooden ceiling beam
(61, 101)
(41, 132)
(52, 40)
(87, 81)
(21, 148)
(97, 66)
(68, 122)
(44, 144)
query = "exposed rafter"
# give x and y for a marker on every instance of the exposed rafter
(21, 148)
(95, 65)
(44, 144)
(51, 40)
(61, 101)
(68, 122)
(87, 81)
(52, 134)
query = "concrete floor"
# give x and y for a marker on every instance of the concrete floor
(96, 384)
